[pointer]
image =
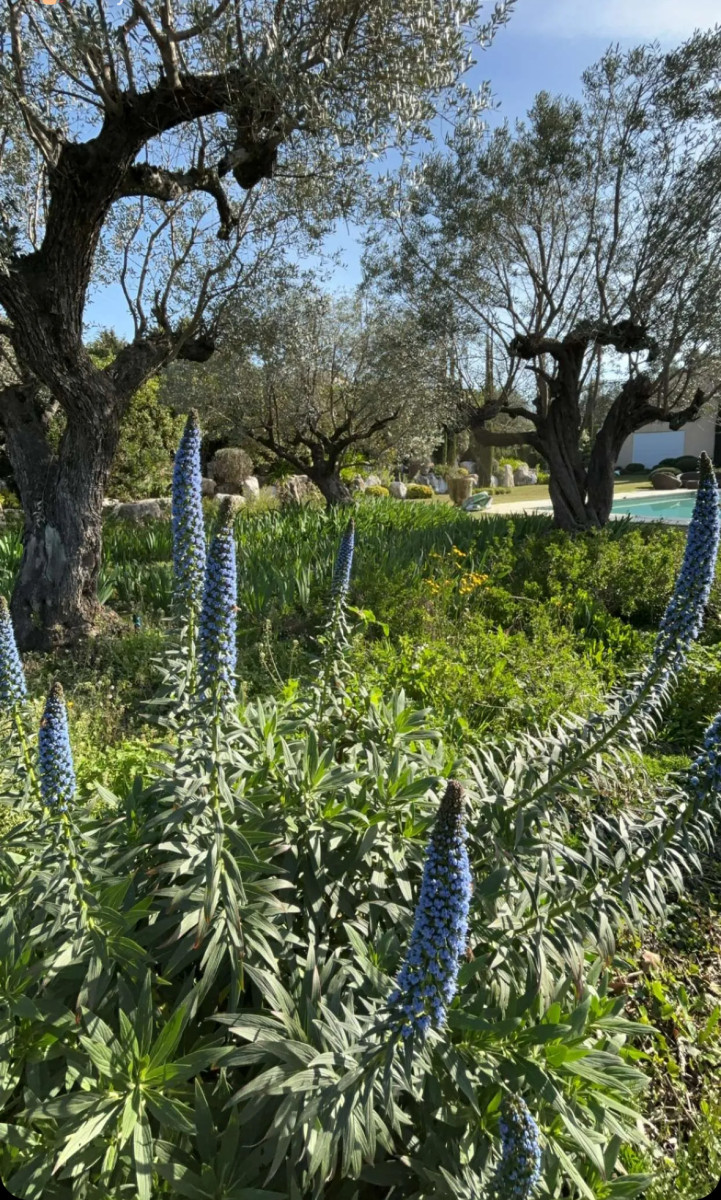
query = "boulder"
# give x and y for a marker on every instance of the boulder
(439, 485)
(297, 489)
(690, 479)
(250, 488)
(357, 484)
(523, 476)
(236, 502)
(373, 481)
(230, 467)
(208, 487)
(398, 490)
(460, 487)
(507, 479)
(494, 481)
(663, 482)
(139, 511)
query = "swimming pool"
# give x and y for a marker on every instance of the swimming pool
(663, 508)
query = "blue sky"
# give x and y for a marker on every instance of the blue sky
(546, 45)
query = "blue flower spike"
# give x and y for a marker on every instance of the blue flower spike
(13, 688)
(188, 524)
(218, 653)
(55, 759)
(519, 1170)
(427, 981)
(343, 564)
(682, 621)
(703, 777)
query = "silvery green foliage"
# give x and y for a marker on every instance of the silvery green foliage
(216, 631)
(13, 688)
(55, 760)
(188, 523)
(427, 980)
(217, 987)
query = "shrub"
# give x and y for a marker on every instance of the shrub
(668, 465)
(634, 469)
(687, 462)
(230, 467)
(417, 491)
(377, 489)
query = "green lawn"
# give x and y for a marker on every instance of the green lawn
(539, 491)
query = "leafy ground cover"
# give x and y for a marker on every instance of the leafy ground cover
(491, 627)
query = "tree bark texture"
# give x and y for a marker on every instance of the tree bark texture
(332, 487)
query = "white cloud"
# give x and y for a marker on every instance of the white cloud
(668, 20)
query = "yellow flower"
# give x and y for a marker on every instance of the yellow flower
(459, 553)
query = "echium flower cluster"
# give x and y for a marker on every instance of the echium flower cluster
(55, 759)
(343, 564)
(188, 526)
(13, 688)
(427, 981)
(704, 775)
(520, 1167)
(682, 621)
(218, 653)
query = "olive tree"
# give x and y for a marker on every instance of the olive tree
(587, 242)
(162, 144)
(307, 377)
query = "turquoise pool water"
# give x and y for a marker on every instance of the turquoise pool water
(665, 508)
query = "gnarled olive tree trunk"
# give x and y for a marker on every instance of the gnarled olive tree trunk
(332, 487)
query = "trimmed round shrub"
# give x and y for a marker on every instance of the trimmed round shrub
(416, 491)
(230, 467)
(634, 469)
(687, 462)
(377, 489)
(667, 467)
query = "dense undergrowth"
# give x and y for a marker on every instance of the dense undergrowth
(460, 632)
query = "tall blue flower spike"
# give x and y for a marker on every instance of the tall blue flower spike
(55, 759)
(13, 687)
(218, 653)
(682, 621)
(188, 525)
(427, 981)
(343, 564)
(519, 1170)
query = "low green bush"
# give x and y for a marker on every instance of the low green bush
(687, 462)
(669, 468)
(634, 469)
(419, 491)
(377, 489)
